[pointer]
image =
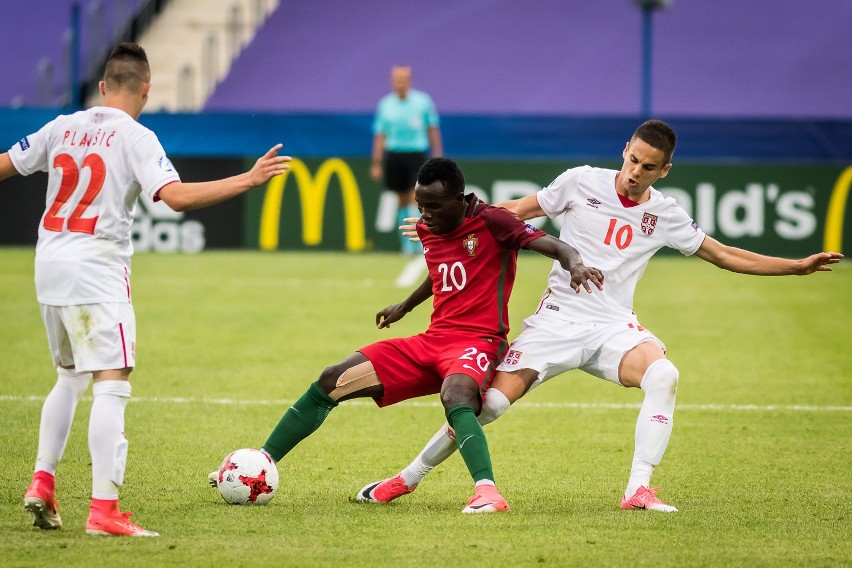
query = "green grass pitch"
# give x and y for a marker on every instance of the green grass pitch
(759, 462)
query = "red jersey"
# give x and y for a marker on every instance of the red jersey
(473, 269)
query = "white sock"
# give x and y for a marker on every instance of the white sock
(495, 405)
(107, 443)
(654, 425)
(437, 449)
(57, 415)
(443, 443)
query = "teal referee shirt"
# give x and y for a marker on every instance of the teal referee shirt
(405, 123)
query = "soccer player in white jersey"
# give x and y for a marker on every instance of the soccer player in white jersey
(617, 221)
(98, 162)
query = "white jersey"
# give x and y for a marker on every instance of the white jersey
(98, 161)
(616, 239)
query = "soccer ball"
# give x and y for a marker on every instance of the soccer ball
(247, 477)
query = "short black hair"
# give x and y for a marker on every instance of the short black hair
(127, 67)
(443, 170)
(658, 134)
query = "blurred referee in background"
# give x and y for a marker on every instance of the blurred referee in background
(405, 134)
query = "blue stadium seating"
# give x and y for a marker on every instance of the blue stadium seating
(35, 38)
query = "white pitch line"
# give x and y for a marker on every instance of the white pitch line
(424, 404)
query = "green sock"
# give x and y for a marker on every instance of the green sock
(300, 421)
(471, 441)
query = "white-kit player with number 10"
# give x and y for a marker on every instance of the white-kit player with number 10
(617, 221)
(98, 162)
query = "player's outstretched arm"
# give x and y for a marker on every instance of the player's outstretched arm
(395, 312)
(7, 168)
(525, 208)
(185, 196)
(747, 262)
(570, 259)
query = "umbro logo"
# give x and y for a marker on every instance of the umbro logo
(593, 202)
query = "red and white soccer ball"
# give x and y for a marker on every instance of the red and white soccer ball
(247, 477)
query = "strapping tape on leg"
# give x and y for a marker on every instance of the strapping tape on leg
(354, 379)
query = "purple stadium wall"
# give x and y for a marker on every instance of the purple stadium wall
(784, 58)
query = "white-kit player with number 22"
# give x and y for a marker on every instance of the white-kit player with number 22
(98, 161)
(617, 221)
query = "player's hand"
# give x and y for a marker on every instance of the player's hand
(389, 315)
(819, 262)
(376, 172)
(268, 166)
(410, 229)
(582, 275)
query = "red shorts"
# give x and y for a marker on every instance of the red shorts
(409, 367)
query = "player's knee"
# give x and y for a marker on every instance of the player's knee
(494, 406)
(455, 393)
(120, 389)
(340, 381)
(661, 376)
(328, 378)
(78, 383)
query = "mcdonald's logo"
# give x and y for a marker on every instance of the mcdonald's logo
(833, 239)
(312, 194)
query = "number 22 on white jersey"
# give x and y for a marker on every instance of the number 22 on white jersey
(70, 177)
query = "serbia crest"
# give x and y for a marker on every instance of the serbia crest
(649, 223)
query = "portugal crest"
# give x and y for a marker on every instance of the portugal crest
(649, 223)
(470, 243)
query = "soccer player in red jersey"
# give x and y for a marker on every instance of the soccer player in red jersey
(471, 251)
(619, 221)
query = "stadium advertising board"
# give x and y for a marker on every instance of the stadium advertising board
(321, 203)
(837, 205)
(779, 209)
(313, 190)
(156, 228)
(332, 204)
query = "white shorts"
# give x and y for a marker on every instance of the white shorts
(91, 337)
(551, 345)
